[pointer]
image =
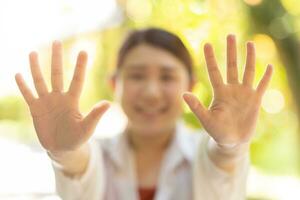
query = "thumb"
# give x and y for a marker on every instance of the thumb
(196, 106)
(89, 123)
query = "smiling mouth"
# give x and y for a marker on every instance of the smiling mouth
(151, 112)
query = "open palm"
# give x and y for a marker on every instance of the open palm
(57, 120)
(232, 115)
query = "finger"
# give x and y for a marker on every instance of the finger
(197, 108)
(212, 67)
(90, 121)
(38, 79)
(232, 71)
(26, 92)
(56, 67)
(249, 73)
(263, 84)
(79, 74)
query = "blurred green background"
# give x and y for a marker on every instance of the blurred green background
(273, 25)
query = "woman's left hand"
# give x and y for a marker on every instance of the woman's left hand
(232, 116)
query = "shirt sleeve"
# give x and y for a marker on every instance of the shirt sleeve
(211, 182)
(88, 186)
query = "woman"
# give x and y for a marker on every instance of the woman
(155, 157)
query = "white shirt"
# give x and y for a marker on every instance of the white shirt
(186, 173)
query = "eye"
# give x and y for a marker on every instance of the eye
(136, 76)
(167, 77)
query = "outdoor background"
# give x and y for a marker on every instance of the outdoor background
(99, 27)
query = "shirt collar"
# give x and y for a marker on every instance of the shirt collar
(181, 148)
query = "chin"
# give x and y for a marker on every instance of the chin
(152, 129)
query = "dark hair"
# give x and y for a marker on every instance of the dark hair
(158, 38)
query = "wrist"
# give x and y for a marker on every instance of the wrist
(60, 155)
(63, 158)
(229, 148)
(227, 156)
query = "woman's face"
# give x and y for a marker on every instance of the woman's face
(149, 87)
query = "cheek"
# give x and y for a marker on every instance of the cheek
(175, 89)
(128, 94)
(173, 92)
(130, 90)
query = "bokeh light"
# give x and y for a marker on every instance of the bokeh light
(281, 27)
(196, 7)
(265, 46)
(138, 10)
(253, 2)
(273, 101)
(292, 6)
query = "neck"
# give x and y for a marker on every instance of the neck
(152, 144)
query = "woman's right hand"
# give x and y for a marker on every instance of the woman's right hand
(58, 122)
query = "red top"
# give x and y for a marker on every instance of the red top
(147, 193)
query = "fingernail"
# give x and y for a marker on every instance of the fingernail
(250, 44)
(207, 46)
(189, 99)
(231, 36)
(186, 96)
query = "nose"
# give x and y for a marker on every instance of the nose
(152, 90)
